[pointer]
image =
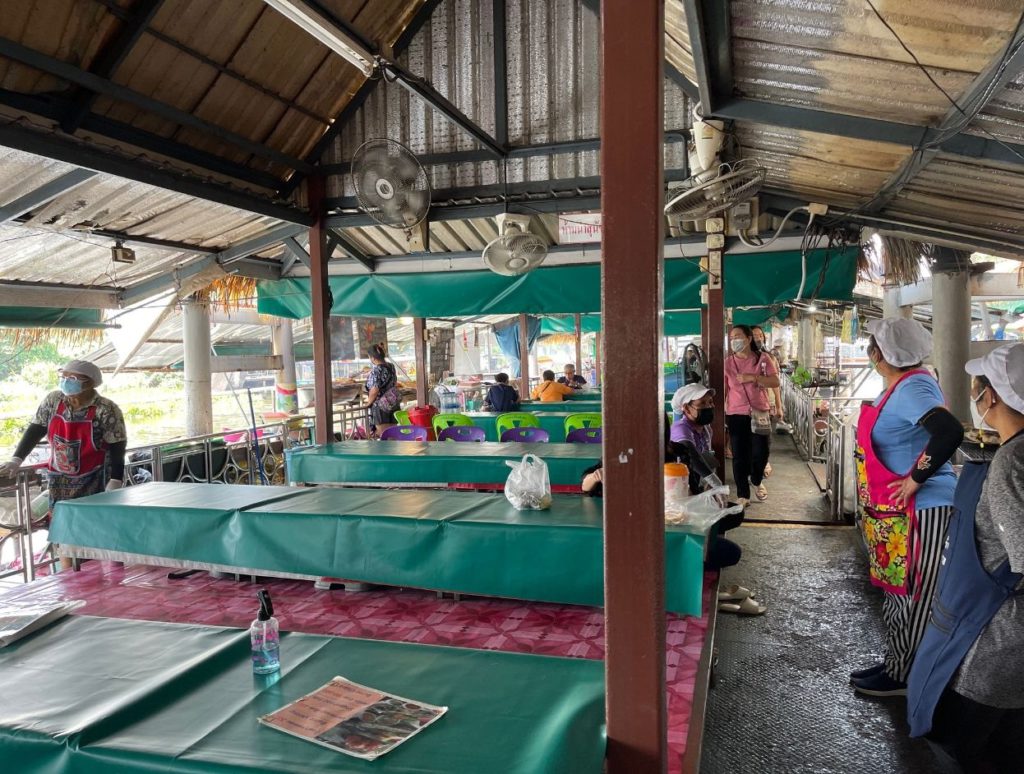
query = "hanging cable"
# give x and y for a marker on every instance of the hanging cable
(759, 244)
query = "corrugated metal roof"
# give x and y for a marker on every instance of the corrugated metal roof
(1003, 117)
(986, 198)
(836, 55)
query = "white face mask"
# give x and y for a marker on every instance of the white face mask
(977, 416)
(738, 345)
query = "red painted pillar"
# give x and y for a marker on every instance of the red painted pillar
(632, 275)
(713, 341)
(321, 292)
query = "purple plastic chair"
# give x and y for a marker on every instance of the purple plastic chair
(585, 435)
(463, 434)
(526, 435)
(404, 433)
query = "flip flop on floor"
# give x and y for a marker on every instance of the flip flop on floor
(746, 606)
(734, 593)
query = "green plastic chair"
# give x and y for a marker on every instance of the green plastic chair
(402, 417)
(515, 419)
(582, 421)
(441, 421)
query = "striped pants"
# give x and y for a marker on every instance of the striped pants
(906, 616)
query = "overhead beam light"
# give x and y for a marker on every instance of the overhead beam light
(326, 31)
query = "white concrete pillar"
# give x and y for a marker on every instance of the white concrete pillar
(891, 307)
(198, 394)
(286, 397)
(805, 344)
(951, 332)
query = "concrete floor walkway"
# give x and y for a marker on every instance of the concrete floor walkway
(793, 494)
(782, 703)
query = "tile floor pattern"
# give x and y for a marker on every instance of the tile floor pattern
(146, 593)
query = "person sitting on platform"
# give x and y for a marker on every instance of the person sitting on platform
(967, 682)
(550, 391)
(502, 396)
(572, 379)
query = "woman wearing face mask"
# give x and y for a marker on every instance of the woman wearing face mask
(86, 433)
(967, 682)
(748, 374)
(905, 485)
(775, 409)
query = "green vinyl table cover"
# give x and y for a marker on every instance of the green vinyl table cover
(432, 462)
(106, 696)
(466, 542)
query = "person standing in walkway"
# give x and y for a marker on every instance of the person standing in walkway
(775, 409)
(748, 374)
(86, 434)
(905, 485)
(382, 392)
(967, 682)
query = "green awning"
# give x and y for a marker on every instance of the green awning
(753, 279)
(49, 317)
(684, 322)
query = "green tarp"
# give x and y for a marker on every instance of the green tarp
(465, 542)
(753, 279)
(49, 317)
(679, 323)
(108, 696)
(398, 462)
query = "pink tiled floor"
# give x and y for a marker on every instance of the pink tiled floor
(145, 593)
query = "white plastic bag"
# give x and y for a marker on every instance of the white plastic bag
(701, 511)
(528, 487)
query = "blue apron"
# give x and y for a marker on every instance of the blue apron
(966, 600)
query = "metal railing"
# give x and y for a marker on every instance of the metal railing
(227, 457)
(840, 466)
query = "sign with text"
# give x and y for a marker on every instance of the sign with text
(579, 228)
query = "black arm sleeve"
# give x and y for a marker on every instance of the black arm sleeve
(33, 435)
(116, 452)
(946, 434)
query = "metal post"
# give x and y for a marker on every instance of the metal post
(524, 357)
(319, 287)
(198, 393)
(951, 315)
(286, 396)
(578, 325)
(713, 341)
(632, 276)
(598, 349)
(419, 333)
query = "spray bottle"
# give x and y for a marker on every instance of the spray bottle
(265, 638)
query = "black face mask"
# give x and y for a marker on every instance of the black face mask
(705, 416)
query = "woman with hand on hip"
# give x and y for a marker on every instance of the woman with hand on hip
(905, 485)
(748, 374)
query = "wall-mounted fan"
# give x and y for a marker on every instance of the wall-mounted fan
(390, 183)
(715, 186)
(516, 250)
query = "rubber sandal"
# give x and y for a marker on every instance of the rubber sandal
(734, 593)
(767, 470)
(761, 492)
(746, 606)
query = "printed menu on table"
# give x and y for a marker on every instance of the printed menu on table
(353, 719)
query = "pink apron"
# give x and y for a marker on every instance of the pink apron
(890, 532)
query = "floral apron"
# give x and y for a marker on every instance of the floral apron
(890, 532)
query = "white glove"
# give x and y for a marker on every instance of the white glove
(114, 483)
(10, 469)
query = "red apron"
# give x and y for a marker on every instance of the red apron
(890, 532)
(72, 450)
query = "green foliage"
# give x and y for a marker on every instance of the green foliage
(802, 377)
(14, 358)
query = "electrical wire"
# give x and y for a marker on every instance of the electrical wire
(759, 243)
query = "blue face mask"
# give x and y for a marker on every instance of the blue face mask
(70, 386)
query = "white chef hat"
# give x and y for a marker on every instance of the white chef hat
(84, 368)
(903, 342)
(1004, 368)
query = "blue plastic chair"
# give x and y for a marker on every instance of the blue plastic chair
(585, 435)
(526, 435)
(463, 434)
(404, 433)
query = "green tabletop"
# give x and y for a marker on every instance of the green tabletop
(575, 406)
(466, 542)
(553, 422)
(424, 462)
(586, 394)
(107, 696)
